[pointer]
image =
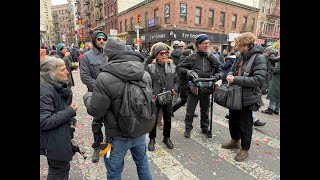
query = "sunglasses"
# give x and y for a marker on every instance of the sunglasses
(162, 53)
(104, 39)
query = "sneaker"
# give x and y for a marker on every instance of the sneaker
(242, 155)
(187, 133)
(259, 123)
(96, 156)
(206, 132)
(227, 116)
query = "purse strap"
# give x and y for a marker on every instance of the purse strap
(248, 67)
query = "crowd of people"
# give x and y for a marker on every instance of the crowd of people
(169, 71)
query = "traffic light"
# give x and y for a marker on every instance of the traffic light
(137, 19)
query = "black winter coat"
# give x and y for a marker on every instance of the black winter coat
(163, 76)
(203, 64)
(251, 85)
(106, 98)
(55, 121)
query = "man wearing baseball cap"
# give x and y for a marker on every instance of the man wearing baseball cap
(200, 64)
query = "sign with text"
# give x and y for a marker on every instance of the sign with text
(151, 23)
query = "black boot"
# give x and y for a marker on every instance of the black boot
(207, 133)
(168, 142)
(267, 111)
(96, 155)
(151, 144)
(187, 133)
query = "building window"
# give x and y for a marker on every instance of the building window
(120, 27)
(183, 12)
(252, 24)
(125, 26)
(234, 22)
(115, 10)
(131, 24)
(211, 17)
(155, 13)
(222, 19)
(198, 15)
(167, 13)
(244, 23)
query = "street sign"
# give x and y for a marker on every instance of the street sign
(138, 27)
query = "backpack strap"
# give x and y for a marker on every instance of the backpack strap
(248, 67)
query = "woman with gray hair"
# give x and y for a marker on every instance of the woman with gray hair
(56, 115)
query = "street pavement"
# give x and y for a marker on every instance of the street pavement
(195, 158)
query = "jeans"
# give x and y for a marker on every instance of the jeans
(274, 105)
(120, 146)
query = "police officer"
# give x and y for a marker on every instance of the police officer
(203, 65)
(90, 67)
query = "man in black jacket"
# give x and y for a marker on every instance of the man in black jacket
(203, 65)
(90, 67)
(240, 121)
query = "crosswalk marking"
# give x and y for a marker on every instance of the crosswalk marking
(168, 165)
(253, 169)
(255, 135)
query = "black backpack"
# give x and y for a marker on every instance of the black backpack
(136, 115)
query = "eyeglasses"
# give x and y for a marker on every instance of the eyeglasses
(162, 53)
(104, 39)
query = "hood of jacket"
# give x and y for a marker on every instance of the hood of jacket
(127, 65)
(256, 48)
(176, 53)
(93, 38)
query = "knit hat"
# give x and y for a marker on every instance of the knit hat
(156, 48)
(60, 46)
(159, 48)
(113, 46)
(201, 37)
(100, 34)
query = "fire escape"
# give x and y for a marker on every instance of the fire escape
(271, 27)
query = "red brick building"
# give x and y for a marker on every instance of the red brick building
(166, 21)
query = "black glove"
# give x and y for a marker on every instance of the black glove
(192, 74)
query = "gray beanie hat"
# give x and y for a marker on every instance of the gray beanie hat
(113, 46)
(159, 48)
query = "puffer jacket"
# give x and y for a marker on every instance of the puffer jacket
(226, 67)
(163, 76)
(91, 64)
(251, 85)
(55, 121)
(106, 98)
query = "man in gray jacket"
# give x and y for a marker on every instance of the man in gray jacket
(90, 67)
